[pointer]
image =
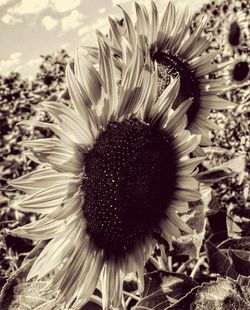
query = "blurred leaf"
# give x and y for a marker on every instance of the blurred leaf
(238, 221)
(231, 257)
(236, 164)
(224, 294)
(22, 295)
(216, 150)
(214, 175)
(243, 281)
(153, 282)
(19, 294)
(217, 222)
(232, 167)
(190, 244)
(239, 244)
(206, 194)
(214, 206)
(217, 258)
(163, 289)
(240, 263)
(209, 199)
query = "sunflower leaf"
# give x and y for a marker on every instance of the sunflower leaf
(214, 175)
(19, 294)
(162, 289)
(238, 221)
(240, 263)
(230, 258)
(230, 168)
(209, 199)
(217, 258)
(225, 293)
(190, 244)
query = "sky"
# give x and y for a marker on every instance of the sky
(30, 28)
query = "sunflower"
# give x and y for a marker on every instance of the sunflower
(235, 31)
(115, 176)
(175, 52)
(238, 71)
(228, 24)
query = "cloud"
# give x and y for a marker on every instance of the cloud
(26, 7)
(29, 68)
(72, 21)
(65, 46)
(88, 32)
(101, 24)
(115, 2)
(29, 7)
(62, 6)
(34, 62)
(49, 22)
(11, 19)
(4, 2)
(10, 63)
(14, 14)
(102, 10)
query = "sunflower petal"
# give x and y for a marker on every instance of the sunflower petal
(176, 220)
(38, 180)
(80, 99)
(45, 200)
(112, 284)
(107, 72)
(166, 26)
(88, 77)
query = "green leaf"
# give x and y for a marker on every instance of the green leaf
(164, 289)
(222, 294)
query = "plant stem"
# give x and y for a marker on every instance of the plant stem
(97, 300)
(197, 265)
(184, 265)
(154, 262)
(131, 295)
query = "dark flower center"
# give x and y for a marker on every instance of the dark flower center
(130, 173)
(240, 71)
(170, 65)
(225, 8)
(234, 34)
